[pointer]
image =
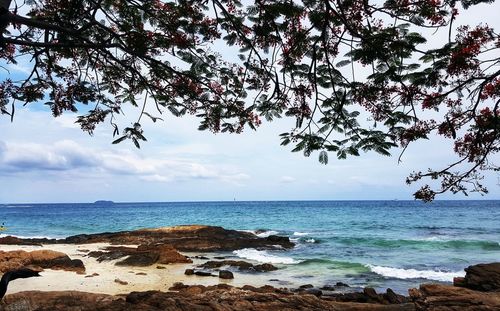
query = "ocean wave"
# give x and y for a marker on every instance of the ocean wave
(265, 234)
(399, 273)
(433, 242)
(310, 240)
(300, 233)
(3, 235)
(263, 256)
(348, 267)
(261, 233)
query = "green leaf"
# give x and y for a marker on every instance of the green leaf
(119, 140)
(323, 157)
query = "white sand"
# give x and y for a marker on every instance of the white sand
(155, 279)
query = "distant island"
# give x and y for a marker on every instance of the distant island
(104, 202)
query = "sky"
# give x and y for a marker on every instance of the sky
(45, 159)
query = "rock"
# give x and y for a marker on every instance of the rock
(313, 291)
(451, 298)
(224, 274)
(340, 284)
(45, 259)
(141, 273)
(161, 267)
(195, 298)
(219, 257)
(189, 272)
(139, 260)
(240, 264)
(166, 253)
(183, 238)
(203, 273)
(143, 255)
(12, 240)
(265, 267)
(483, 277)
(92, 275)
(459, 281)
(394, 298)
(328, 288)
(200, 257)
(178, 286)
(306, 286)
(121, 282)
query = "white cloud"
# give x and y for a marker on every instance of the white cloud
(287, 179)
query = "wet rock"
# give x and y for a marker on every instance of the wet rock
(328, 288)
(224, 274)
(203, 273)
(240, 264)
(161, 267)
(189, 272)
(306, 286)
(483, 277)
(312, 291)
(340, 284)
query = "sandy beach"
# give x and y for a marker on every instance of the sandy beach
(100, 277)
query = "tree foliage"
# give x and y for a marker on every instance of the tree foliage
(356, 75)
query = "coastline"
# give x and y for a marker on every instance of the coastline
(141, 267)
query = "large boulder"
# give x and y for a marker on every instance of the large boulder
(451, 298)
(240, 264)
(483, 277)
(44, 259)
(193, 238)
(143, 255)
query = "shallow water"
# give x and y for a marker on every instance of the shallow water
(396, 244)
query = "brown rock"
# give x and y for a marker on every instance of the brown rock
(183, 238)
(224, 274)
(45, 259)
(166, 254)
(161, 267)
(483, 277)
(189, 272)
(192, 298)
(451, 298)
(12, 240)
(141, 273)
(240, 264)
(121, 282)
(139, 260)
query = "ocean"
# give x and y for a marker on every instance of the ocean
(381, 244)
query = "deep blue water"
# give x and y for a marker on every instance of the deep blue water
(396, 244)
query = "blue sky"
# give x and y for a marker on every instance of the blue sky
(46, 159)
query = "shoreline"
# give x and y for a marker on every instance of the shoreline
(191, 267)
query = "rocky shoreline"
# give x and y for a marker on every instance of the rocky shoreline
(161, 248)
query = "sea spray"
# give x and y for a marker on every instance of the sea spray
(264, 256)
(399, 273)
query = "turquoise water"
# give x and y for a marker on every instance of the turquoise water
(396, 244)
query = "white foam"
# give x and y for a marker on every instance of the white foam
(300, 233)
(444, 276)
(263, 256)
(265, 234)
(310, 241)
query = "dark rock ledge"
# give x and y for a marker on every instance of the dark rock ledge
(192, 238)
